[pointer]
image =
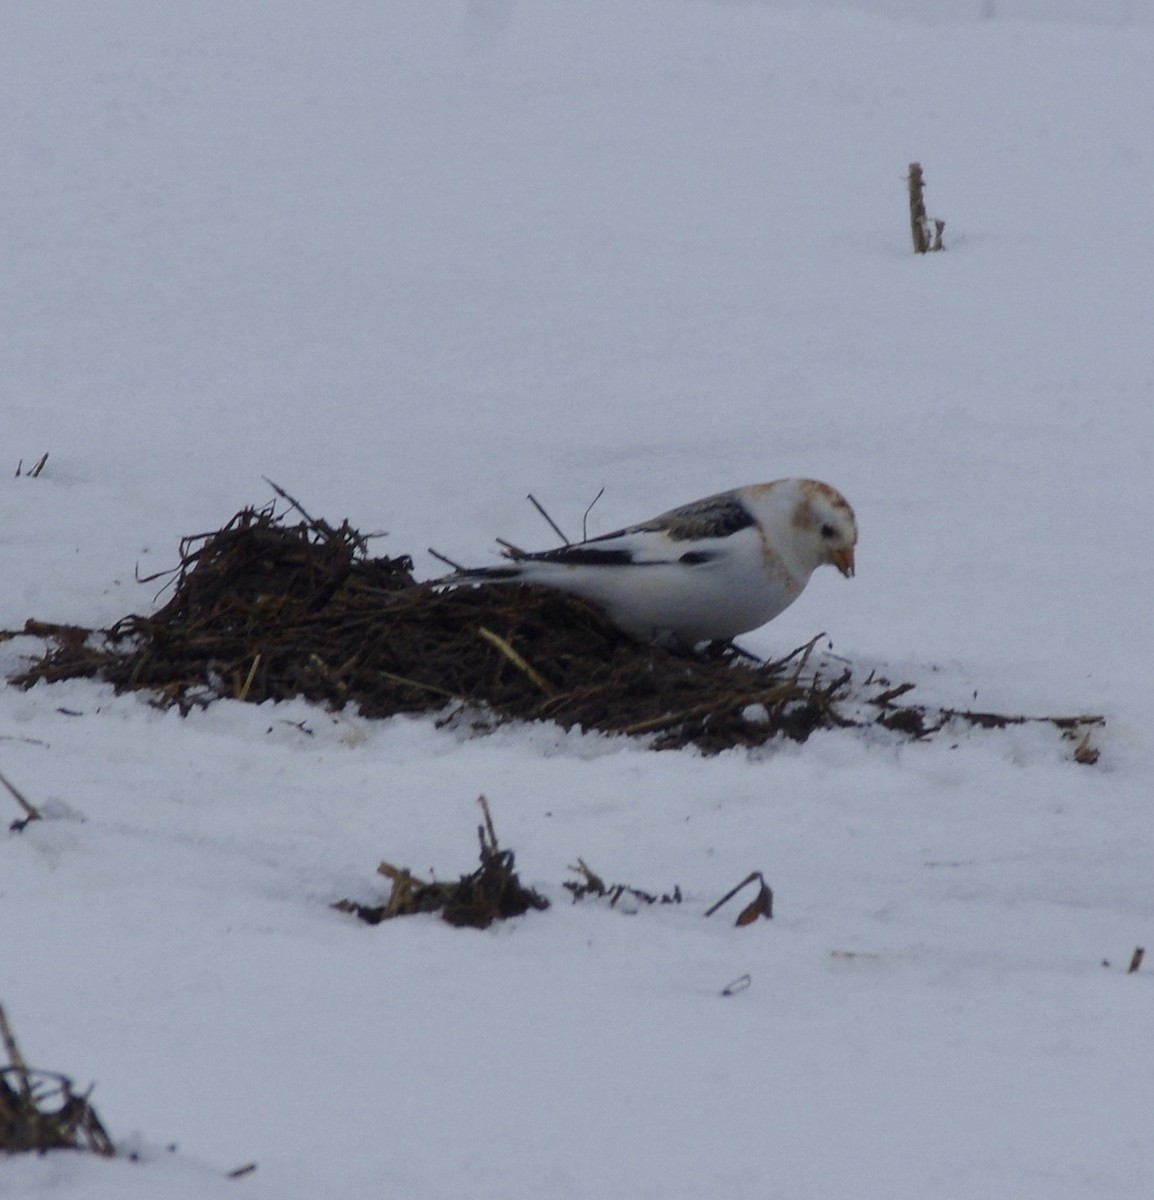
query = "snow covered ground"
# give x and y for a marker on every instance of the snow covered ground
(414, 259)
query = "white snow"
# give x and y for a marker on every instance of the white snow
(414, 259)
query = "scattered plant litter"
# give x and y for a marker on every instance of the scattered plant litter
(493, 892)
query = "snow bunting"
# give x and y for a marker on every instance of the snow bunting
(708, 570)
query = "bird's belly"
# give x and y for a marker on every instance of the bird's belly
(692, 605)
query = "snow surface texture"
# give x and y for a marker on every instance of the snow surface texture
(415, 259)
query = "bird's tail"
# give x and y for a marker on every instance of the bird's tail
(467, 575)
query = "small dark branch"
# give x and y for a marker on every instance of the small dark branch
(585, 516)
(36, 468)
(323, 526)
(760, 906)
(326, 531)
(738, 985)
(241, 1172)
(447, 561)
(168, 573)
(15, 1058)
(1136, 960)
(925, 240)
(31, 813)
(489, 831)
(510, 551)
(593, 884)
(805, 651)
(727, 650)
(552, 524)
(918, 228)
(887, 697)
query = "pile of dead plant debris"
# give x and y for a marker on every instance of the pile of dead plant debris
(267, 609)
(40, 1111)
(493, 892)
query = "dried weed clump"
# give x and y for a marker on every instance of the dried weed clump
(40, 1111)
(492, 892)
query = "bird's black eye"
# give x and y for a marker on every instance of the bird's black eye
(828, 531)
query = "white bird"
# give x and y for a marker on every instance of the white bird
(707, 570)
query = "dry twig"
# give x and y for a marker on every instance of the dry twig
(31, 812)
(34, 470)
(924, 240)
(760, 906)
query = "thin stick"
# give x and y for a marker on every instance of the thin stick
(892, 694)
(488, 824)
(14, 1055)
(247, 687)
(585, 517)
(738, 985)
(806, 650)
(323, 526)
(805, 656)
(36, 468)
(918, 226)
(752, 877)
(1136, 959)
(30, 810)
(416, 683)
(503, 646)
(552, 524)
(509, 550)
(447, 561)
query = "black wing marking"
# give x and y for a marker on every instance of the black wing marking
(583, 555)
(714, 517)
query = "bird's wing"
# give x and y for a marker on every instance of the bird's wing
(692, 534)
(717, 516)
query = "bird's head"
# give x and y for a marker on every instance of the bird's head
(825, 523)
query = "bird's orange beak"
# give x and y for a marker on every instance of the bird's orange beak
(843, 560)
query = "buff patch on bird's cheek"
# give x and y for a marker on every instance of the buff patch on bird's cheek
(803, 518)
